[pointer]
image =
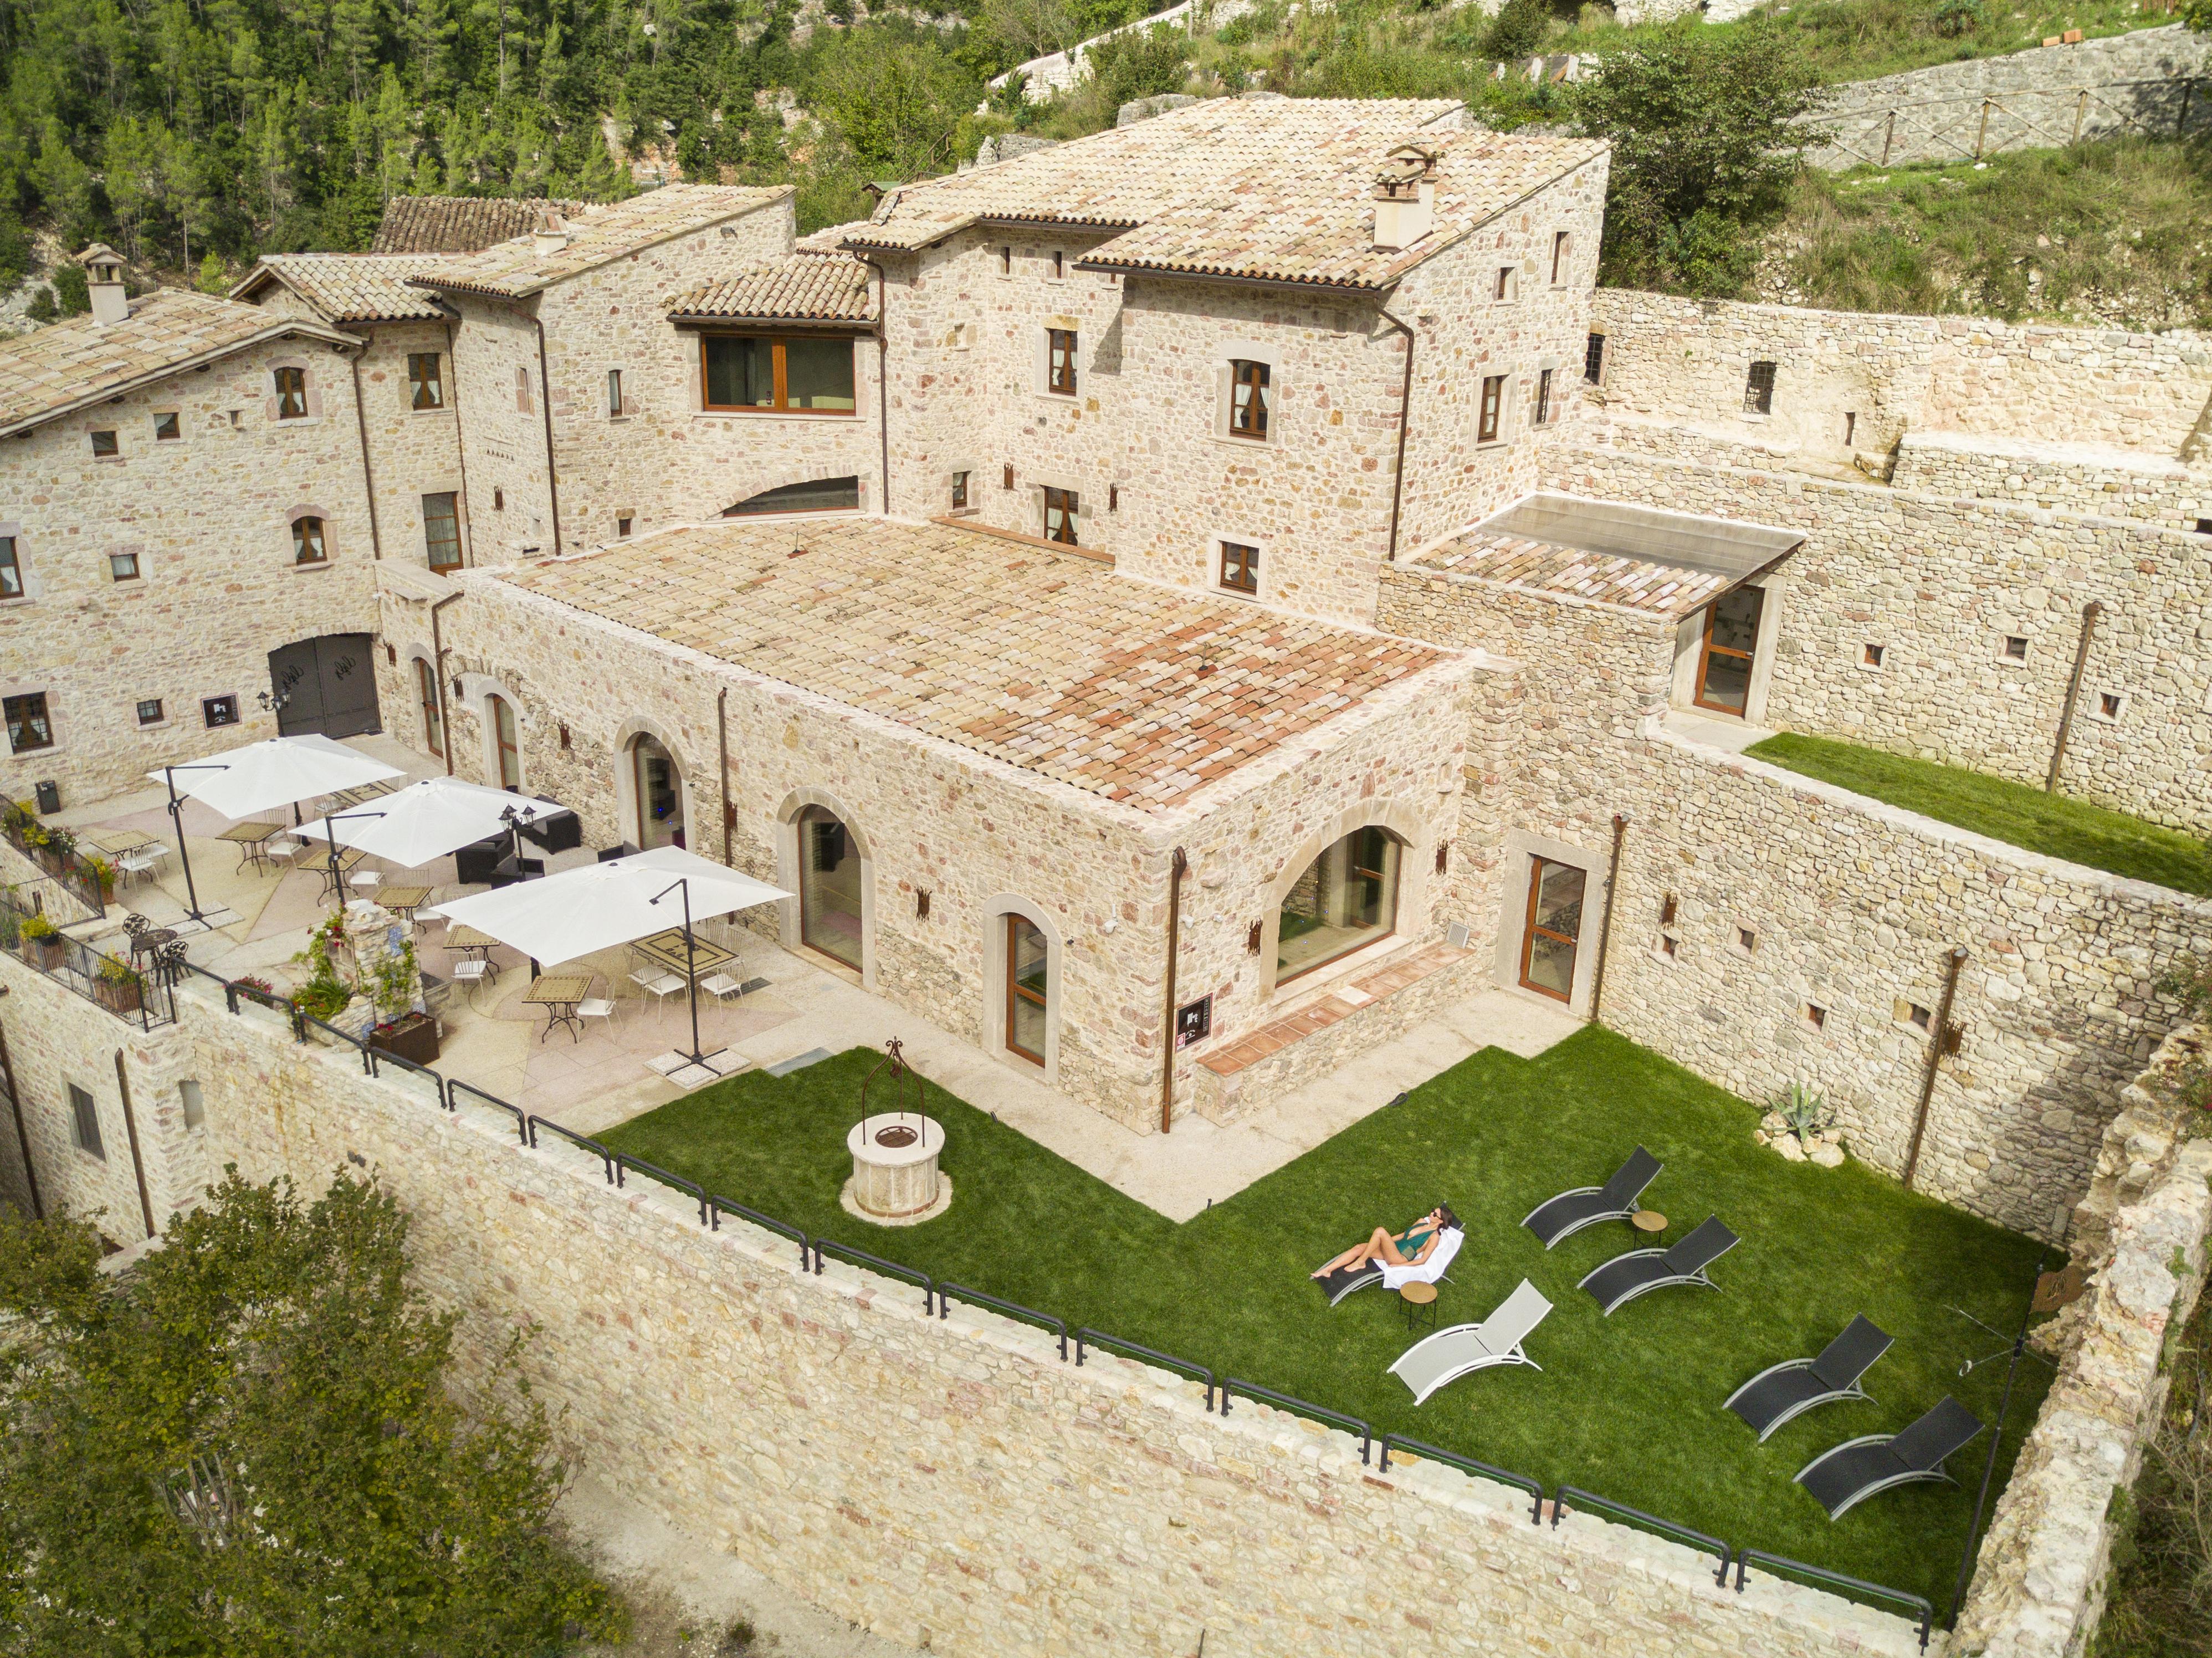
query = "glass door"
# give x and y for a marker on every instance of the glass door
(510, 751)
(1731, 638)
(660, 800)
(1555, 923)
(828, 888)
(426, 691)
(1026, 990)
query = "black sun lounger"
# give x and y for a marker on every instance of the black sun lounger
(1586, 1206)
(1783, 1392)
(1640, 1270)
(1841, 1479)
(1344, 1279)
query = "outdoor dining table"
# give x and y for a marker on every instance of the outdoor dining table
(558, 994)
(347, 860)
(403, 902)
(251, 841)
(467, 939)
(665, 949)
(122, 841)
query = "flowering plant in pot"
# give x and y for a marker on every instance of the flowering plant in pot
(118, 986)
(400, 1029)
(43, 944)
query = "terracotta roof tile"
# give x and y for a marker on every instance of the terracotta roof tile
(1635, 584)
(349, 287)
(939, 628)
(459, 224)
(597, 236)
(806, 287)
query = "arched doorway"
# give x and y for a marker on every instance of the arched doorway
(1028, 1004)
(830, 887)
(505, 742)
(426, 696)
(659, 789)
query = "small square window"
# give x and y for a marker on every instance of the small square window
(1816, 1015)
(165, 428)
(1501, 286)
(2015, 647)
(291, 394)
(1759, 390)
(1870, 656)
(219, 710)
(104, 445)
(2109, 704)
(123, 567)
(959, 491)
(1240, 568)
(2204, 526)
(1913, 1014)
(150, 711)
(622, 529)
(1745, 940)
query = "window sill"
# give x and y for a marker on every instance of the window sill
(18, 600)
(776, 414)
(442, 410)
(1256, 445)
(310, 570)
(1493, 443)
(155, 726)
(1318, 981)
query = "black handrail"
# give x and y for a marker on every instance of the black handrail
(928, 1283)
(303, 1019)
(1011, 1308)
(1302, 1406)
(453, 1084)
(378, 1057)
(1781, 1562)
(1100, 1339)
(1591, 1499)
(717, 1207)
(1466, 1464)
(624, 1160)
(591, 1145)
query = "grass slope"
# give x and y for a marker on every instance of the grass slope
(1628, 1406)
(2011, 812)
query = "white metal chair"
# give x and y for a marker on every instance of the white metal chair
(472, 971)
(137, 867)
(284, 852)
(597, 1007)
(721, 986)
(650, 981)
(365, 881)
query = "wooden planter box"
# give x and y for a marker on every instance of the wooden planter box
(117, 997)
(414, 1037)
(45, 954)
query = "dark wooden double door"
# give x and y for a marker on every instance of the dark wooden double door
(325, 685)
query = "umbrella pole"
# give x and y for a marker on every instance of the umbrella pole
(691, 973)
(184, 853)
(336, 890)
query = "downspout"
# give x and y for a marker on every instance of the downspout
(722, 752)
(367, 472)
(1176, 869)
(1405, 421)
(1938, 1040)
(22, 1135)
(883, 353)
(1604, 926)
(438, 677)
(2090, 612)
(130, 1128)
(461, 453)
(545, 400)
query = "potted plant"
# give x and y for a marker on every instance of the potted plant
(43, 944)
(118, 987)
(104, 872)
(324, 995)
(256, 989)
(400, 1029)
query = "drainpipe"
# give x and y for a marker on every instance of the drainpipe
(545, 397)
(1405, 420)
(2090, 612)
(438, 675)
(22, 1135)
(1938, 1040)
(883, 352)
(1176, 869)
(367, 472)
(1604, 926)
(460, 452)
(722, 751)
(130, 1128)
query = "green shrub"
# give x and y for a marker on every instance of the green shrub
(1517, 31)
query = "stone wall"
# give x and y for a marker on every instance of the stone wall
(954, 1485)
(2075, 477)
(1941, 586)
(2039, 1587)
(412, 452)
(2115, 86)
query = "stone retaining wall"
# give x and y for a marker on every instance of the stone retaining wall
(2039, 1587)
(2077, 477)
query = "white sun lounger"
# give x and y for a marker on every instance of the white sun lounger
(1428, 1364)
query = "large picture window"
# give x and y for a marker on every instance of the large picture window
(308, 546)
(29, 725)
(291, 394)
(797, 374)
(1347, 899)
(426, 387)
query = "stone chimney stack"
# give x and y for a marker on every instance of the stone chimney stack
(103, 275)
(1405, 198)
(551, 234)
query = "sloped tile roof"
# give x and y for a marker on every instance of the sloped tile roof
(1135, 692)
(598, 236)
(1277, 189)
(459, 224)
(75, 362)
(805, 287)
(348, 287)
(1539, 566)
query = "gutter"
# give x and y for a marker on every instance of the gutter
(367, 472)
(883, 353)
(329, 337)
(1176, 867)
(545, 399)
(1405, 421)
(461, 454)
(438, 677)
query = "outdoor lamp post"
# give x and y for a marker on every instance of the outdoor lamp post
(517, 819)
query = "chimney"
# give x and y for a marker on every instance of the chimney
(103, 281)
(551, 234)
(1405, 198)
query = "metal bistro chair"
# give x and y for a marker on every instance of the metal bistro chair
(653, 980)
(597, 1007)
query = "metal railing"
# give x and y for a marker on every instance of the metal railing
(1465, 1464)
(623, 1161)
(718, 1207)
(1115, 1344)
(1302, 1407)
(928, 1283)
(68, 870)
(145, 997)
(454, 1086)
(946, 1290)
(1926, 1609)
(1680, 1533)
(590, 1146)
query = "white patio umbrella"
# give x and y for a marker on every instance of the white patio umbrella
(276, 772)
(411, 826)
(599, 905)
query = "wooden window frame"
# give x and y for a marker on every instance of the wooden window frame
(44, 717)
(160, 707)
(1547, 408)
(291, 384)
(959, 491)
(1069, 501)
(1490, 412)
(1561, 239)
(1060, 378)
(421, 378)
(1530, 932)
(1707, 650)
(430, 545)
(1240, 574)
(1017, 993)
(777, 343)
(114, 442)
(299, 542)
(117, 570)
(174, 431)
(1259, 377)
(506, 740)
(11, 569)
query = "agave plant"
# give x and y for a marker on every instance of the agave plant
(1805, 1109)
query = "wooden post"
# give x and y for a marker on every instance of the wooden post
(130, 1128)
(722, 742)
(2090, 612)
(1888, 137)
(1983, 132)
(22, 1135)
(1176, 869)
(1937, 1039)
(2081, 111)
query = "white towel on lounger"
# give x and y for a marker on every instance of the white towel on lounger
(1429, 1270)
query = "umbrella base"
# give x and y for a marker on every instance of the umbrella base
(681, 1068)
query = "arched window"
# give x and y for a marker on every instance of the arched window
(308, 545)
(506, 748)
(1347, 899)
(1028, 1013)
(821, 495)
(659, 794)
(426, 694)
(829, 887)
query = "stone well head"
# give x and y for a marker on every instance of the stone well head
(895, 1146)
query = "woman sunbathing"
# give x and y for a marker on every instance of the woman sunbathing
(1408, 1249)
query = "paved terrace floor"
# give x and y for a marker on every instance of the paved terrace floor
(493, 1039)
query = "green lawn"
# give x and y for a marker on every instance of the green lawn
(2015, 812)
(1628, 1406)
